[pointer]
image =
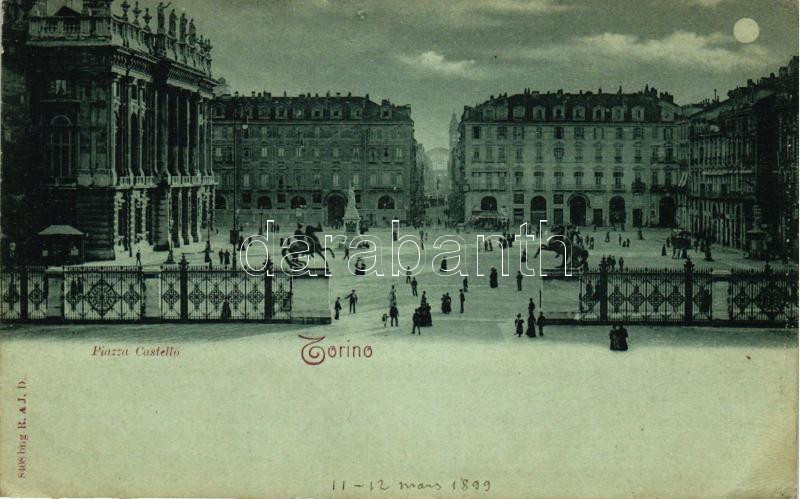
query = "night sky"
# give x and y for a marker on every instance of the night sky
(440, 55)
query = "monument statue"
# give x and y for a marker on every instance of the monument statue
(351, 217)
(161, 17)
(173, 21)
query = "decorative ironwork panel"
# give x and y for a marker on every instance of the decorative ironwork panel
(171, 293)
(282, 296)
(224, 294)
(103, 293)
(23, 289)
(763, 296)
(10, 294)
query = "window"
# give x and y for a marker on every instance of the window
(598, 153)
(518, 179)
(654, 133)
(501, 132)
(558, 153)
(246, 180)
(637, 132)
(578, 113)
(264, 152)
(476, 132)
(598, 179)
(598, 114)
(356, 181)
(519, 133)
(637, 154)
(519, 112)
(578, 132)
(579, 153)
(356, 152)
(654, 153)
(559, 132)
(281, 152)
(264, 180)
(538, 179)
(59, 88)
(247, 198)
(655, 177)
(559, 177)
(519, 198)
(578, 179)
(59, 145)
(298, 152)
(489, 153)
(598, 133)
(335, 180)
(386, 178)
(218, 152)
(619, 133)
(667, 133)
(501, 154)
(335, 152)
(668, 153)
(476, 154)
(316, 179)
(617, 154)
(618, 179)
(539, 153)
(538, 132)
(667, 178)
(398, 152)
(519, 155)
(385, 154)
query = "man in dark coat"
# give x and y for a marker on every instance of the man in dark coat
(493, 278)
(519, 323)
(393, 315)
(353, 300)
(461, 299)
(415, 322)
(531, 307)
(414, 286)
(337, 307)
(221, 256)
(540, 322)
(408, 275)
(465, 283)
(519, 280)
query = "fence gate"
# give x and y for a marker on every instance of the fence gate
(103, 293)
(23, 294)
(763, 296)
(196, 293)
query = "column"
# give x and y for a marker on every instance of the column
(127, 120)
(174, 135)
(196, 217)
(163, 133)
(196, 152)
(186, 127)
(140, 116)
(161, 218)
(186, 218)
(177, 216)
(208, 143)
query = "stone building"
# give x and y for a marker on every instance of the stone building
(109, 130)
(291, 158)
(579, 158)
(741, 158)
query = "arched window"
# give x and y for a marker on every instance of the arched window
(489, 203)
(59, 147)
(220, 202)
(298, 202)
(386, 203)
(264, 203)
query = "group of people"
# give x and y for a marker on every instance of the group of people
(610, 262)
(533, 322)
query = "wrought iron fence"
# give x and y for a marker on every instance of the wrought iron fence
(196, 293)
(23, 294)
(646, 295)
(764, 296)
(103, 293)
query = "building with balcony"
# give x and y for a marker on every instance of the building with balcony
(740, 156)
(106, 125)
(579, 158)
(291, 158)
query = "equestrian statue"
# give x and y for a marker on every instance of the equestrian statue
(566, 242)
(305, 244)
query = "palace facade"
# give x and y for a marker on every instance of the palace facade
(106, 125)
(741, 157)
(579, 158)
(294, 158)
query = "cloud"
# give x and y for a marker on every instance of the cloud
(681, 49)
(432, 62)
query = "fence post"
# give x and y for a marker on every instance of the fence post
(184, 285)
(56, 299)
(603, 284)
(23, 293)
(688, 292)
(267, 296)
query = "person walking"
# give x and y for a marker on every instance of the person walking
(415, 322)
(393, 315)
(540, 322)
(227, 257)
(414, 286)
(423, 301)
(138, 258)
(465, 284)
(353, 298)
(221, 255)
(226, 310)
(337, 307)
(621, 263)
(443, 265)
(346, 252)
(493, 278)
(531, 307)
(530, 332)
(519, 280)
(461, 298)
(618, 338)
(519, 323)
(408, 275)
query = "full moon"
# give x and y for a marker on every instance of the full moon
(746, 30)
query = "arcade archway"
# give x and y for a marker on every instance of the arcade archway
(336, 206)
(577, 210)
(538, 209)
(666, 212)
(616, 210)
(489, 203)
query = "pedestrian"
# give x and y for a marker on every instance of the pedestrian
(226, 310)
(519, 323)
(519, 280)
(531, 307)
(393, 315)
(337, 307)
(608, 236)
(353, 300)
(663, 250)
(621, 263)
(383, 318)
(423, 301)
(461, 298)
(493, 278)
(524, 255)
(530, 332)
(485, 245)
(540, 322)
(227, 257)
(138, 258)
(408, 275)
(415, 322)
(465, 283)
(620, 239)
(443, 265)
(221, 255)
(627, 242)
(414, 286)
(619, 338)
(392, 296)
